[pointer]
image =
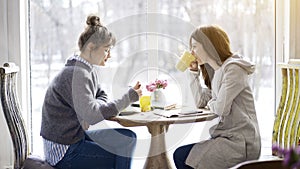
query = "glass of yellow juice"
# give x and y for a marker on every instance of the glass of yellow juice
(145, 103)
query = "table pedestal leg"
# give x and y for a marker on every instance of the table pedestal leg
(157, 156)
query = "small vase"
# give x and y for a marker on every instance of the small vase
(158, 98)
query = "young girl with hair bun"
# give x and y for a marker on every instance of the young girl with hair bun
(74, 100)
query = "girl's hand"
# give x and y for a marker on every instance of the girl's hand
(194, 66)
(138, 89)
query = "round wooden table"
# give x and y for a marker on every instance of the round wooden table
(157, 126)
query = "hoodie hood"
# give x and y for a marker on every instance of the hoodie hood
(246, 65)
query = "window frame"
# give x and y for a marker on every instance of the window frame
(287, 37)
(14, 48)
(14, 45)
(15, 41)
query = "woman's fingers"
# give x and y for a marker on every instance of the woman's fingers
(137, 85)
(194, 66)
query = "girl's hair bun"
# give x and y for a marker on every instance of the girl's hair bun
(95, 33)
(93, 20)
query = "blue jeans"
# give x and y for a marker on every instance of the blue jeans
(101, 149)
(180, 156)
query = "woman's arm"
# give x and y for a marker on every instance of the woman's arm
(91, 107)
(129, 97)
(200, 94)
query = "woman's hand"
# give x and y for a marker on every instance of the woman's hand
(194, 66)
(138, 89)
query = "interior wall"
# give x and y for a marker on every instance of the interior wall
(297, 19)
(10, 51)
(287, 37)
(5, 145)
(294, 29)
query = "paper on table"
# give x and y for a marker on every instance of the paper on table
(168, 106)
(179, 113)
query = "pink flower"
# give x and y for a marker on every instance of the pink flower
(158, 84)
(151, 87)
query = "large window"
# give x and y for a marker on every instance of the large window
(150, 36)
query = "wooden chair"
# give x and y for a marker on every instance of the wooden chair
(286, 129)
(13, 115)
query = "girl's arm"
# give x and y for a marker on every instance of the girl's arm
(200, 94)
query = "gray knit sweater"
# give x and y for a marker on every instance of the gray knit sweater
(75, 95)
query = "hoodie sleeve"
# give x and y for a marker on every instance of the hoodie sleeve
(234, 80)
(200, 94)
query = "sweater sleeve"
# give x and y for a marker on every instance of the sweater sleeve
(101, 95)
(129, 97)
(200, 94)
(85, 102)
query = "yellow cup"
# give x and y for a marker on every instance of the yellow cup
(145, 103)
(185, 60)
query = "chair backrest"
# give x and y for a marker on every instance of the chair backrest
(12, 112)
(286, 130)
